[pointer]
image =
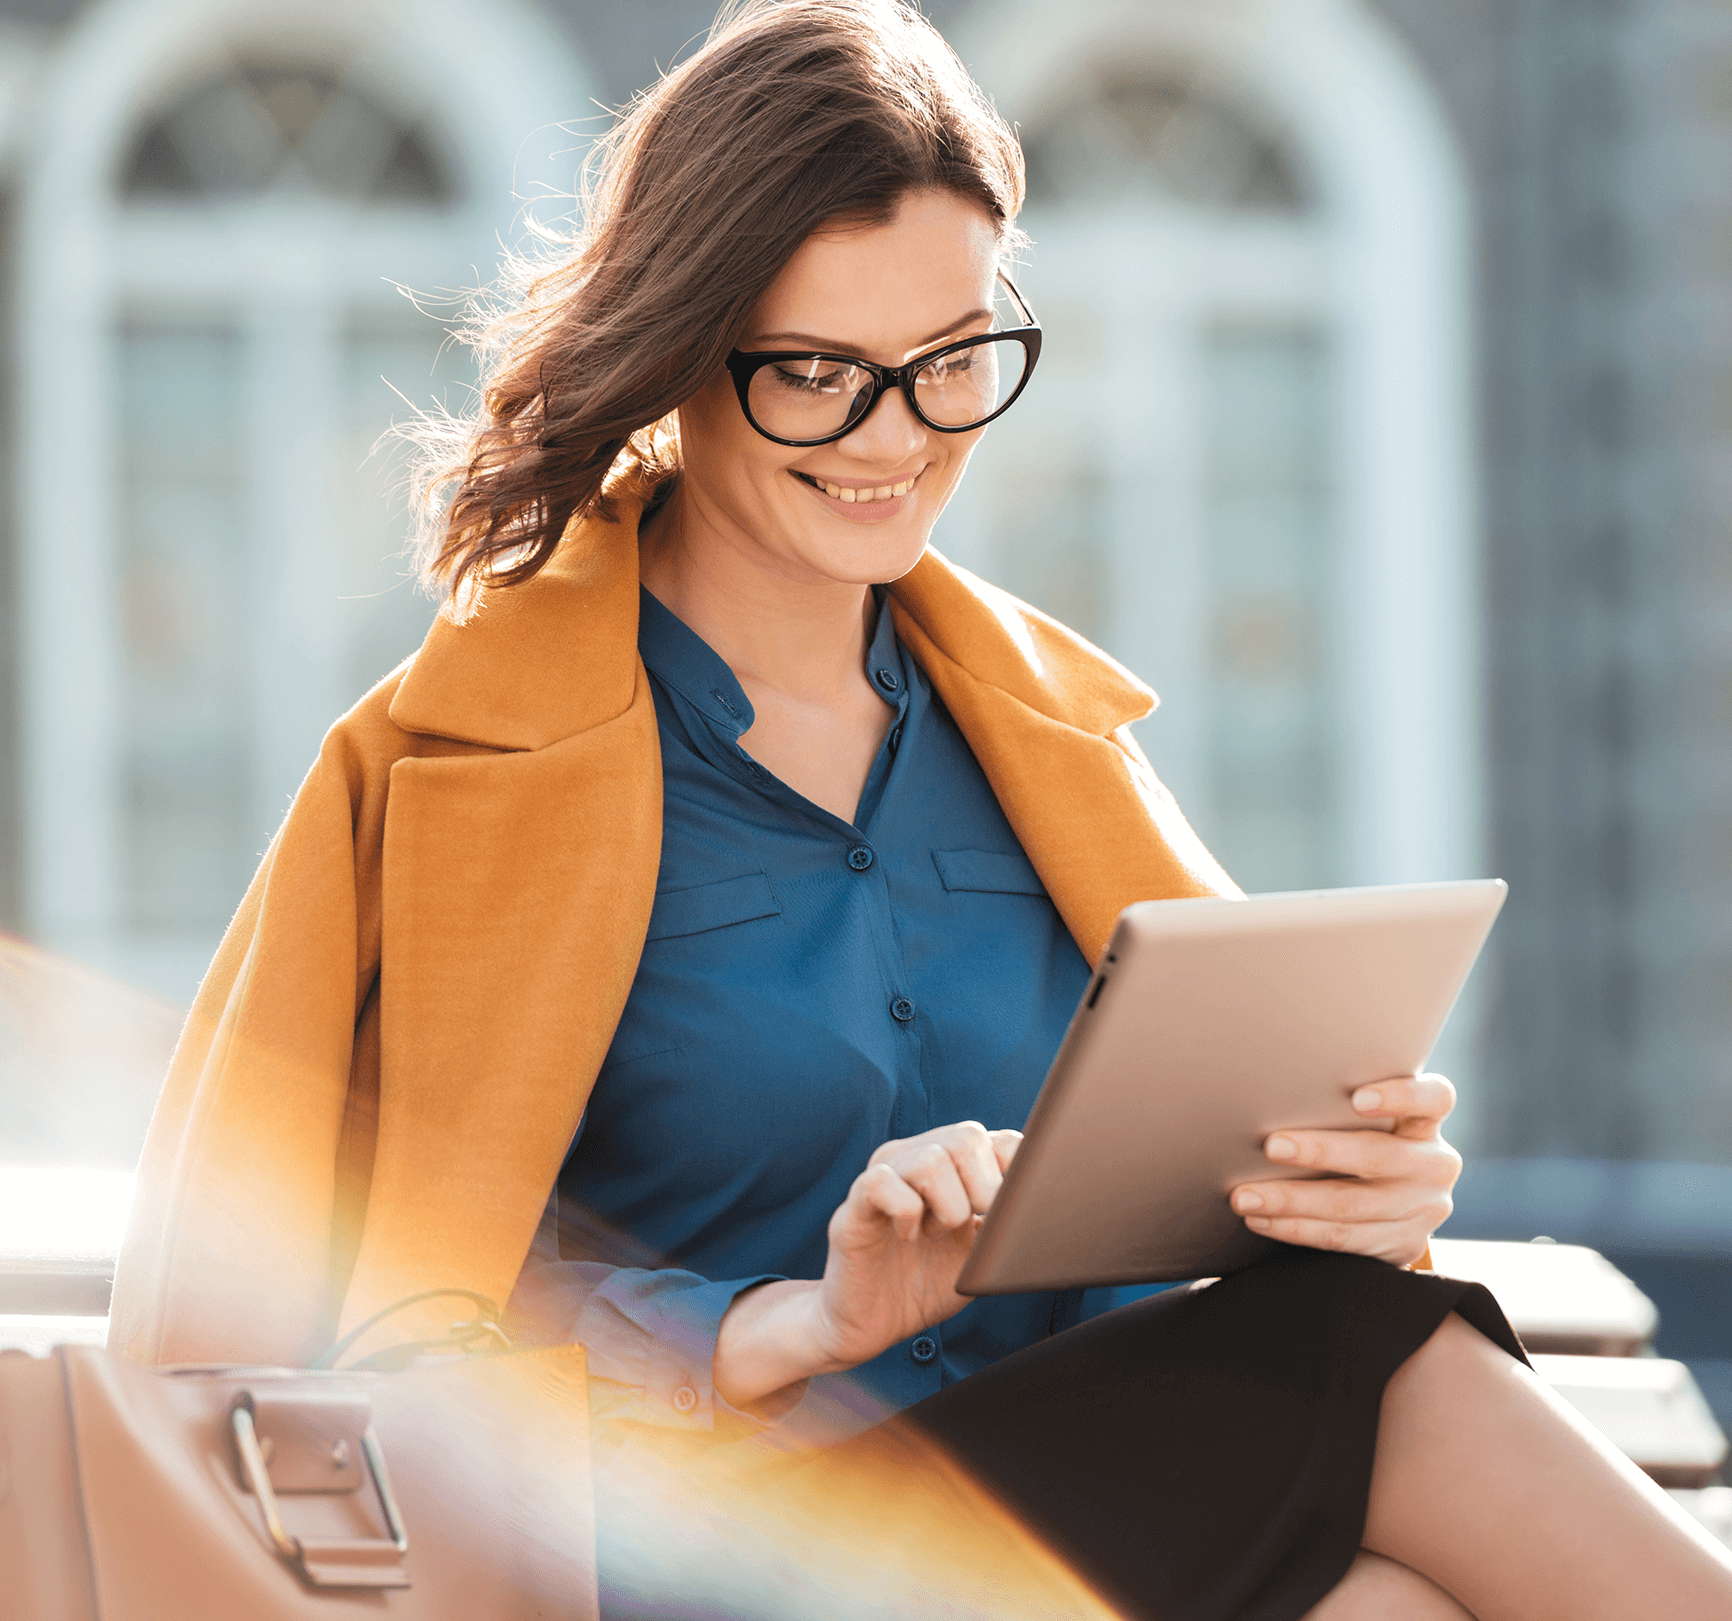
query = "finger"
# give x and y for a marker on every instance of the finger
(1005, 1145)
(882, 1193)
(932, 1172)
(1365, 1154)
(1346, 1200)
(976, 1158)
(1399, 1243)
(885, 1152)
(1417, 1103)
(971, 1150)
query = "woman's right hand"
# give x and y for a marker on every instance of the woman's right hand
(899, 1240)
(897, 1245)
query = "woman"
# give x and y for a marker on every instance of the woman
(692, 872)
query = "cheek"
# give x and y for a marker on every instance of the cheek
(707, 429)
(720, 450)
(956, 448)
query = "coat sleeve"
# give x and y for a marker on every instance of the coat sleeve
(234, 1228)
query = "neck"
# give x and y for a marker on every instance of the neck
(792, 633)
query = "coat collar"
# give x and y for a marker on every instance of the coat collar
(557, 655)
(1006, 644)
(544, 660)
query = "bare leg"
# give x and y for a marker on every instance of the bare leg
(1378, 1589)
(1494, 1487)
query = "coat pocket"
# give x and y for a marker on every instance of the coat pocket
(714, 905)
(987, 870)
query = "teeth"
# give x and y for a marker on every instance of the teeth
(853, 495)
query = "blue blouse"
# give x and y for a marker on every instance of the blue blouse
(810, 988)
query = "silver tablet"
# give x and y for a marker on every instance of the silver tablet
(1209, 1024)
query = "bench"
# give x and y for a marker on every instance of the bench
(1588, 1328)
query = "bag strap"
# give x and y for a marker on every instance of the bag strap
(482, 1333)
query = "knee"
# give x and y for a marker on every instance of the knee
(1457, 1369)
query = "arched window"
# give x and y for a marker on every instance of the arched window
(1160, 135)
(260, 126)
(214, 292)
(1249, 260)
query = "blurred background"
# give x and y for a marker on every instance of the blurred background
(1384, 424)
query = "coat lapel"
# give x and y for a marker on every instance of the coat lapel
(517, 886)
(517, 892)
(1047, 717)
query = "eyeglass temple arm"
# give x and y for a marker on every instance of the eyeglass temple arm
(1028, 315)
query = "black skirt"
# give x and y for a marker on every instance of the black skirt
(1203, 1455)
(1206, 1454)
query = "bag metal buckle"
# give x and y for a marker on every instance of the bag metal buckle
(326, 1561)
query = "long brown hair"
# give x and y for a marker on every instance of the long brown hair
(794, 113)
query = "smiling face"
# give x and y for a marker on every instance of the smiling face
(858, 510)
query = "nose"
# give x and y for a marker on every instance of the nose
(890, 433)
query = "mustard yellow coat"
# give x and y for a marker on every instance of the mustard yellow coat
(384, 1067)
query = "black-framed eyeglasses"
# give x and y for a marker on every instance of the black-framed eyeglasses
(798, 397)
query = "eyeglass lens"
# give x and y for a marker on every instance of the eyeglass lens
(818, 395)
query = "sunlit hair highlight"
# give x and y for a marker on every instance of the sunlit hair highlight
(794, 114)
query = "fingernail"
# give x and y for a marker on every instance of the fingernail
(1281, 1148)
(1247, 1199)
(1257, 1224)
(1367, 1098)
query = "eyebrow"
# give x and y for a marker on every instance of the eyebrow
(830, 345)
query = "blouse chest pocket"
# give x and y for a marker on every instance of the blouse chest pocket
(987, 871)
(715, 905)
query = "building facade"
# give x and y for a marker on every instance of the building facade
(1383, 424)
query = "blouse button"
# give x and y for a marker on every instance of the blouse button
(860, 858)
(924, 1349)
(902, 1009)
(685, 1399)
(888, 679)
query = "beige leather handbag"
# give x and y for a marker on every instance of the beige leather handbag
(458, 1491)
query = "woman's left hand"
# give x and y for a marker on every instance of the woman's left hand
(1390, 1190)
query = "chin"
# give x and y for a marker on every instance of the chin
(872, 560)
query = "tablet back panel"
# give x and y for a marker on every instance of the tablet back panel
(1209, 1024)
